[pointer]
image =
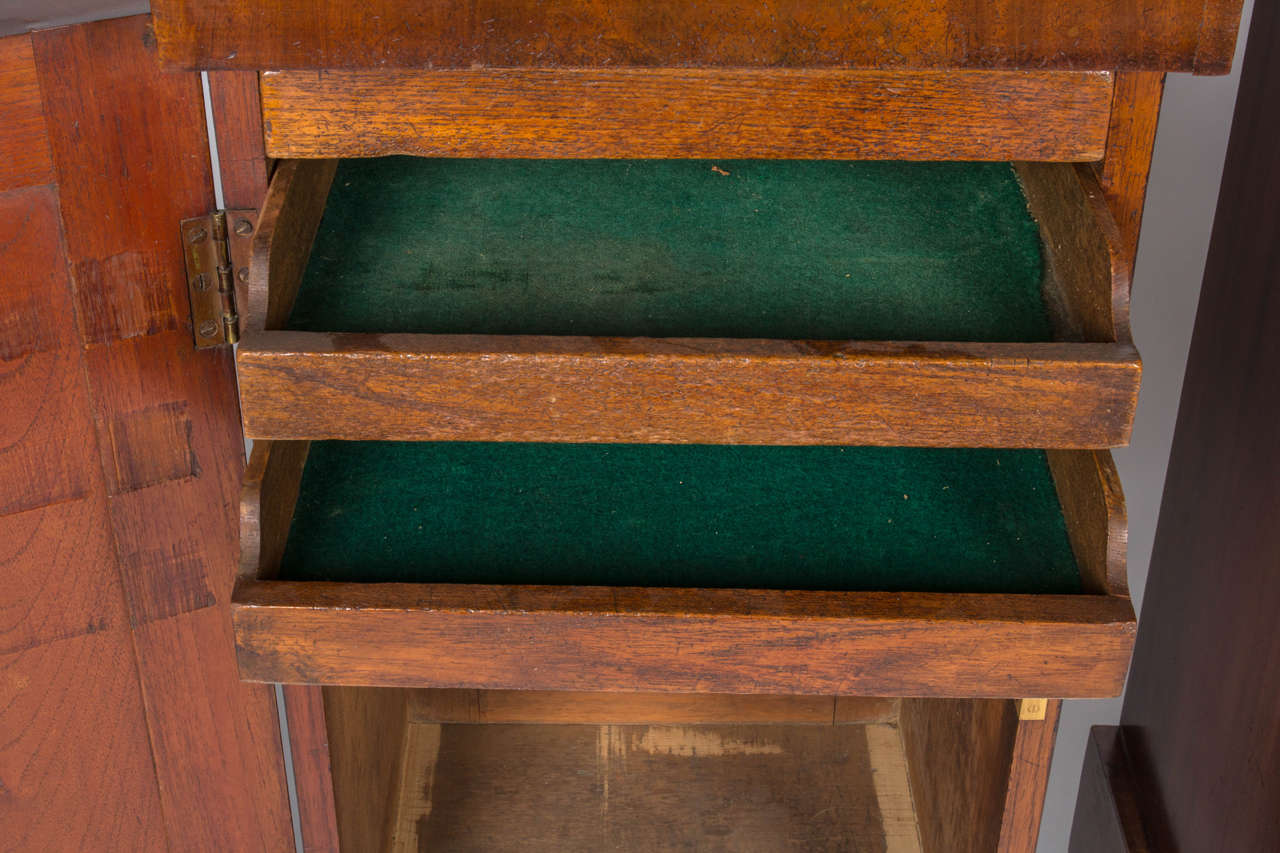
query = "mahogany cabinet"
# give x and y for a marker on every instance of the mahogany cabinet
(583, 415)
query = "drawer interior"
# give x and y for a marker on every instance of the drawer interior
(677, 248)
(494, 770)
(837, 518)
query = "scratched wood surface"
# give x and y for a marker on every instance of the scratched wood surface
(1183, 35)
(618, 113)
(122, 450)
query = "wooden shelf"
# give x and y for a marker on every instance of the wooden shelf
(482, 770)
(687, 640)
(1076, 392)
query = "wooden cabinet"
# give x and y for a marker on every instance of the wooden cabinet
(766, 279)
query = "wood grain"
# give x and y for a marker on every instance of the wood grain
(1097, 34)
(24, 145)
(958, 756)
(131, 159)
(1088, 487)
(577, 708)
(75, 762)
(366, 731)
(661, 640)
(1028, 781)
(127, 266)
(619, 113)
(286, 229)
(1130, 140)
(306, 385)
(312, 771)
(47, 429)
(237, 122)
(70, 706)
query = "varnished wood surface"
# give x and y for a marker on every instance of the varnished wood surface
(1099, 34)
(1028, 780)
(1107, 816)
(24, 145)
(1200, 712)
(312, 769)
(659, 640)
(70, 705)
(539, 707)
(441, 387)
(237, 119)
(138, 732)
(620, 113)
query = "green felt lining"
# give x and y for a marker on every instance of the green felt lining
(677, 248)
(832, 518)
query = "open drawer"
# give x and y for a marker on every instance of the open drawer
(684, 568)
(683, 301)
(423, 770)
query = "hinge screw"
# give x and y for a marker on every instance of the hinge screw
(201, 284)
(197, 235)
(244, 228)
(208, 329)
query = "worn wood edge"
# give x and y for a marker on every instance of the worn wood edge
(287, 225)
(1093, 506)
(587, 638)
(1088, 283)
(268, 495)
(307, 385)
(1028, 781)
(1215, 49)
(1131, 136)
(689, 112)
(538, 707)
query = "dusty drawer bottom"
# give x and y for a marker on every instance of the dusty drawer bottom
(481, 771)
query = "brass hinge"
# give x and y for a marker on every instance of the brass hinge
(217, 248)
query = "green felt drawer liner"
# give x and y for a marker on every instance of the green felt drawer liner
(832, 518)
(677, 248)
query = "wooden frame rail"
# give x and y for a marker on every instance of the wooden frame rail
(1176, 35)
(1078, 392)
(688, 112)
(686, 640)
